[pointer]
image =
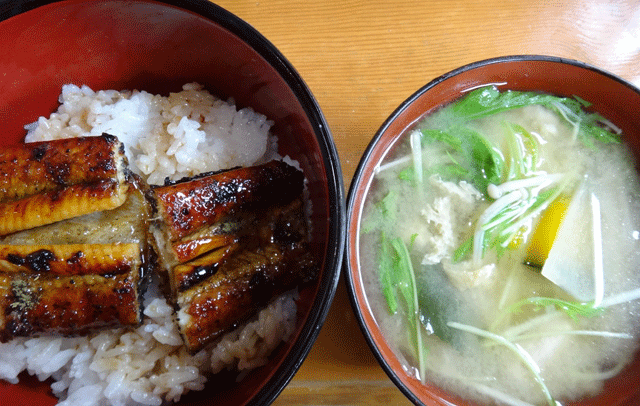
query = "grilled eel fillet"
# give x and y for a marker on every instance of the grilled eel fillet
(230, 242)
(45, 182)
(73, 238)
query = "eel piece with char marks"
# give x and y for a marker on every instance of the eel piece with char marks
(73, 238)
(230, 242)
(45, 182)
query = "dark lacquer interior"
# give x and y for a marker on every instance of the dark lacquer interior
(614, 98)
(158, 47)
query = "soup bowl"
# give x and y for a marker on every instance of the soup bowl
(611, 96)
(157, 47)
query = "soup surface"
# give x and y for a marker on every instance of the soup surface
(500, 248)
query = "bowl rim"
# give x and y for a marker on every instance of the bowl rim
(356, 183)
(336, 235)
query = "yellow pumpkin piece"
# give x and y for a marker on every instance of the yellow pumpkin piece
(545, 232)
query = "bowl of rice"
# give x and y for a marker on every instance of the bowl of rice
(469, 297)
(188, 88)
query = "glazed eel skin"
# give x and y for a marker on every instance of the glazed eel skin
(73, 238)
(80, 235)
(230, 242)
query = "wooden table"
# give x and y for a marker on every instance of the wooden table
(362, 58)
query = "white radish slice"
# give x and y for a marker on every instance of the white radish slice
(575, 261)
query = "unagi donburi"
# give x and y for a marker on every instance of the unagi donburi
(148, 242)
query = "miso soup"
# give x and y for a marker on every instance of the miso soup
(500, 247)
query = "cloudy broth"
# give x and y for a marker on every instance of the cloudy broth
(500, 251)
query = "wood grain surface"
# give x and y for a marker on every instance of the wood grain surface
(362, 58)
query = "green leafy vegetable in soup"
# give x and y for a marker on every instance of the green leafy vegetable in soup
(504, 237)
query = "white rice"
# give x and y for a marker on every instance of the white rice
(147, 365)
(179, 135)
(173, 136)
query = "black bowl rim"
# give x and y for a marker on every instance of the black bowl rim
(357, 178)
(335, 183)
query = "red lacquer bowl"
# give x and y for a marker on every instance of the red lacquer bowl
(616, 99)
(158, 47)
